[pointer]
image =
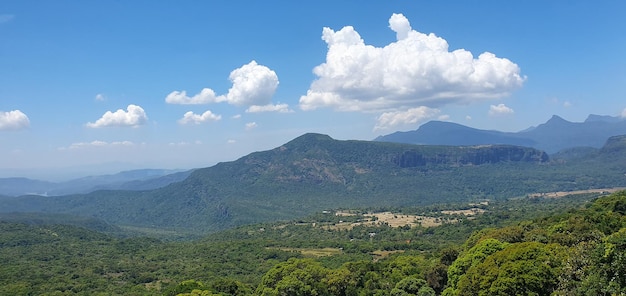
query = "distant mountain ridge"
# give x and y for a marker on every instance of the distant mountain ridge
(554, 135)
(315, 172)
(143, 179)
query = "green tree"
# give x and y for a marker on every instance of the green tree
(528, 268)
(472, 257)
(297, 277)
(412, 286)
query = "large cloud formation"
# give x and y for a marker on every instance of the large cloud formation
(13, 120)
(133, 117)
(252, 84)
(416, 70)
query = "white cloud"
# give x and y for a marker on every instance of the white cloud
(416, 70)
(231, 141)
(281, 108)
(251, 125)
(467, 117)
(567, 104)
(190, 117)
(5, 18)
(253, 84)
(500, 109)
(133, 117)
(444, 117)
(13, 120)
(206, 96)
(100, 97)
(236, 116)
(392, 119)
(624, 113)
(97, 143)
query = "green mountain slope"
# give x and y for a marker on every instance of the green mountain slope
(314, 172)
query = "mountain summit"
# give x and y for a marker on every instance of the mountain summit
(552, 136)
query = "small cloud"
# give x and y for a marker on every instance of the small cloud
(500, 110)
(412, 116)
(100, 97)
(251, 126)
(97, 143)
(567, 104)
(624, 113)
(231, 141)
(183, 143)
(5, 18)
(416, 70)
(236, 116)
(179, 143)
(467, 117)
(444, 117)
(191, 117)
(280, 108)
(253, 84)
(206, 96)
(133, 117)
(13, 120)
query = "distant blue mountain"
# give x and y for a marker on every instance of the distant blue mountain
(143, 179)
(553, 136)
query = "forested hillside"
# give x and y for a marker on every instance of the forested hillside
(575, 245)
(315, 172)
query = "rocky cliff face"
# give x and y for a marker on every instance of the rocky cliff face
(615, 144)
(476, 155)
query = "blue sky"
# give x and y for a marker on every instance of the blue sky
(98, 86)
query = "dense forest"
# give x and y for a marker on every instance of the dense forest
(573, 245)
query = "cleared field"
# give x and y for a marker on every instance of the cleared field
(311, 252)
(565, 193)
(468, 212)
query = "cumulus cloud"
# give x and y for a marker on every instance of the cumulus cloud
(500, 109)
(13, 120)
(133, 117)
(100, 97)
(281, 108)
(444, 117)
(191, 117)
(206, 96)
(389, 120)
(252, 84)
(251, 125)
(97, 143)
(416, 70)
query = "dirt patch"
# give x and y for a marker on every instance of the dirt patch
(559, 194)
(311, 252)
(468, 212)
(395, 220)
(380, 254)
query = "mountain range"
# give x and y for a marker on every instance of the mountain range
(315, 172)
(144, 179)
(553, 136)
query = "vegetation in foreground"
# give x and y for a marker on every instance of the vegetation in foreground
(574, 245)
